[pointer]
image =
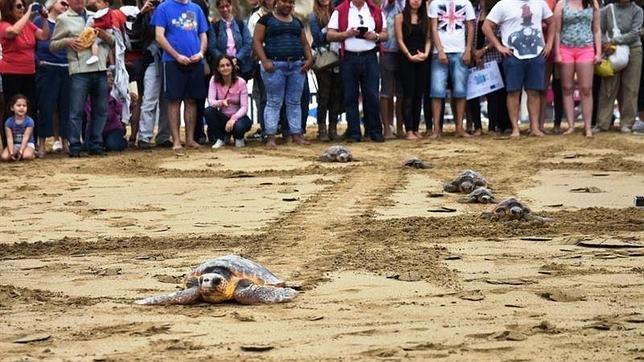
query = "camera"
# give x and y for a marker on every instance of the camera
(362, 30)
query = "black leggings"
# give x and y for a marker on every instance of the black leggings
(414, 82)
(216, 121)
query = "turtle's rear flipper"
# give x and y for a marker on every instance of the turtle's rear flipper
(186, 296)
(248, 292)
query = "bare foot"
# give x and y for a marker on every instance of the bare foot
(463, 134)
(297, 138)
(545, 131)
(536, 133)
(192, 144)
(589, 133)
(435, 135)
(570, 130)
(410, 136)
(179, 151)
(478, 132)
(389, 135)
(515, 134)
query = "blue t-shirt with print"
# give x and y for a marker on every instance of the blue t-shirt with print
(18, 129)
(183, 23)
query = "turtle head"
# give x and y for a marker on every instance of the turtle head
(516, 211)
(343, 157)
(467, 186)
(212, 287)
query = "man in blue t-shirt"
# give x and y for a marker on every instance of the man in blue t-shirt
(181, 28)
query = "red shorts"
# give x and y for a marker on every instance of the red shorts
(577, 55)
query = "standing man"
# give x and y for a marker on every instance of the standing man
(181, 32)
(524, 51)
(85, 79)
(359, 25)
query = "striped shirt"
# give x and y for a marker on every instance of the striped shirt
(282, 39)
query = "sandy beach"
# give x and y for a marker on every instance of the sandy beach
(389, 267)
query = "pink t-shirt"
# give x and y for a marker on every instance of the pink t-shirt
(230, 44)
(18, 53)
(237, 96)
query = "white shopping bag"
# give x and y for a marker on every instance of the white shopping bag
(481, 81)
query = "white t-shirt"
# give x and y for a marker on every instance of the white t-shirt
(356, 19)
(452, 16)
(520, 23)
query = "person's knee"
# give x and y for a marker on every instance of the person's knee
(568, 89)
(586, 91)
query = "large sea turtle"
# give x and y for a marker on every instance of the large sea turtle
(513, 209)
(481, 195)
(226, 278)
(466, 182)
(336, 153)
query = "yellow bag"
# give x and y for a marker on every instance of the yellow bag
(605, 68)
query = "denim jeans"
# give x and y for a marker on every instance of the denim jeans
(285, 83)
(455, 69)
(361, 73)
(152, 105)
(52, 86)
(92, 84)
(217, 125)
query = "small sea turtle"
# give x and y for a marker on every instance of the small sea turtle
(416, 162)
(466, 182)
(513, 209)
(226, 278)
(336, 153)
(481, 195)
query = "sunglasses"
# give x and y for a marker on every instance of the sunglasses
(19, 6)
(64, 3)
(361, 19)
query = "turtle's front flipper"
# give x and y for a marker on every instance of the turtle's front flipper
(186, 296)
(248, 292)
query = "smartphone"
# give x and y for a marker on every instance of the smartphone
(37, 8)
(362, 30)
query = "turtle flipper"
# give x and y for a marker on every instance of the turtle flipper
(186, 296)
(248, 292)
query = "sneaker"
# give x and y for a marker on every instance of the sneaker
(597, 129)
(240, 143)
(57, 147)
(164, 144)
(93, 59)
(219, 144)
(626, 129)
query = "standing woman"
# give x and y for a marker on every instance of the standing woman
(281, 46)
(52, 84)
(230, 36)
(577, 47)
(412, 36)
(329, 81)
(18, 39)
(626, 81)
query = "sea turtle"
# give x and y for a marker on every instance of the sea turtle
(336, 153)
(513, 209)
(229, 277)
(481, 195)
(416, 162)
(466, 182)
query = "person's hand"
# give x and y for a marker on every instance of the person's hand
(306, 66)
(371, 35)
(147, 7)
(598, 58)
(607, 48)
(230, 124)
(224, 102)
(268, 65)
(422, 56)
(182, 59)
(557, 58)
(546, 50)
(505, 51)
(467, 57)
(442, 57)
(134, 98)
(75, 44)
(196, 58)
(102, 33)
(350, 33)
(415, 58)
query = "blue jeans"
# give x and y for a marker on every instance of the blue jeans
(284, 85)
(52, 87)
(456, 69)
(83, 85)
(361, 73)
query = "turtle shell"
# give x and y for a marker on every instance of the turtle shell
(234, 267)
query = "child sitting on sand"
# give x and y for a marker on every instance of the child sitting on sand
(20, 132)
(102, 19)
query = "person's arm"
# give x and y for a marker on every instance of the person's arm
(550, 37)
(333, 33)
(14, 30)
(558, 25)
(9, 135)
(442, 57)
(106, 36)
(488, 30)
(203, 45)
(597, 32)
(165, 45)
(633, 34)
(212, 94)
(398, 32)
(378, 37)
(258, 47)
(469, 40)
(243, 101)
(308, 55)
(25, 139)
(212, 42)
(42, 33)
(316, 32)
(243, 52)
(428, 41)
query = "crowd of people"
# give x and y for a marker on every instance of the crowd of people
(81, 70)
